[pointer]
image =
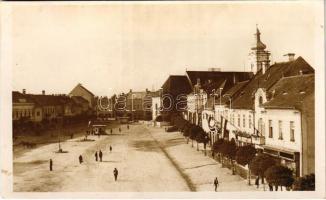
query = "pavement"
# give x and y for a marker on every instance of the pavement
(148, 159)
(199, 169)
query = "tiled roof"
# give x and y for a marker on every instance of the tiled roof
(50, 100)
(80, 86)
(290, 92)
(244, 98)
(177, 84)
(214, 85)
(79, 100)
(232, 91)
(206, 76)
(18, 97)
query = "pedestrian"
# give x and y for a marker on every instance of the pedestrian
(257, 181)
(80, 159)
(115, 173)
(100, 154)
(71, 135)
(270, 187)
(128, 127)
(110, 148)
(51, 163)
(96, 157)
(215, 184)
(119, 129)
(111, 131)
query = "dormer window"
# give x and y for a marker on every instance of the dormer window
(22, 100)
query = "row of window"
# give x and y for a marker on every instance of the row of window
(49, 110)
(260, 125)
(22, 113)
(280, 130)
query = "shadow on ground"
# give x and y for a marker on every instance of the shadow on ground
(145, 145)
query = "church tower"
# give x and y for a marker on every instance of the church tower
(259, 57)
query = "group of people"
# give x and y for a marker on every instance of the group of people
(100, 154)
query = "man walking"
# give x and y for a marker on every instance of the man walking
(115, 173)
(119, 129)
(216, 184)
(51, 163)
(80, 159)
(100, 154)
(110, 148)
(111, 131)
(96, 156)
(257, 181)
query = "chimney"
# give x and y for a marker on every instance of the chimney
(146, 90)
(43, 92)
(291, 56)
(24, 91)
(130, 91)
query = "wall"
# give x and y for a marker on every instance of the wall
(19, 110)
(78, 91)
(156, 104)
(285, 116)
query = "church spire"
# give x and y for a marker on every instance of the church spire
(259, 44)
(259, 57)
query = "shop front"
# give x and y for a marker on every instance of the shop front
(286, 157)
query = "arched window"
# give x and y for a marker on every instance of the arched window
(260, 101)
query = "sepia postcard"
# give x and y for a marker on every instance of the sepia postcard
(164, 99)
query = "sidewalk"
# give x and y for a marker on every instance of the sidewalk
(198, 168)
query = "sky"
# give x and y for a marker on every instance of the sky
(118, 46)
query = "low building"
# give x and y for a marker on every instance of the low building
(81, 105)
(138, 105)
(81, 91)
(23, 107)
(288, 122)
(156, 105)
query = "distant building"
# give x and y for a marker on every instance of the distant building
(80, 90)
(23, 108)
(156, 105)
(81, 105)
(42, 107)
(139, 105)
(174, 89)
